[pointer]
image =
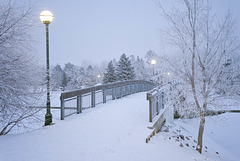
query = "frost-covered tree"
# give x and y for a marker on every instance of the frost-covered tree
(69, 70)
(56, 77)
(230, 77)
(140, 70)
(19, 76)
(124, 70)
(110, 75)
(75, 76)
(150, 55)
(64, 80)
(201, 43)
(91, 76)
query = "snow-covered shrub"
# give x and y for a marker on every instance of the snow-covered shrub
(183, 105)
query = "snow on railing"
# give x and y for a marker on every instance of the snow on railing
(158, 99)
(75, 101)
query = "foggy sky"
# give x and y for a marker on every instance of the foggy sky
(101, 30)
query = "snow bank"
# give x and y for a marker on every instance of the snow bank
(221, 135)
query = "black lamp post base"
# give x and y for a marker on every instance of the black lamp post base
(48, 119)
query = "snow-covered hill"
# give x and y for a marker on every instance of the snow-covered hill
(115, 131)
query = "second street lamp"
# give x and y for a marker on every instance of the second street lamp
(46, 18)
(153, 62)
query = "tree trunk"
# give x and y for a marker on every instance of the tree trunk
(200, 134)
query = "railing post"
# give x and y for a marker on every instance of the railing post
(93, 96)
(126, 90)
(131, 88)
(150, 110)
(157, 105)
(79, 104)
(62, 109)
(162, 100)
(113, 93)
(117, 92)
(121, 91)
(104, 95)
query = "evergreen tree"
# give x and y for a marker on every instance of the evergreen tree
(125, 71)
(110, 75)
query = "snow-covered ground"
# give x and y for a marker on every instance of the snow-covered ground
(111, 132)
(221, 136)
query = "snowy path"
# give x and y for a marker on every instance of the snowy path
(115, 131)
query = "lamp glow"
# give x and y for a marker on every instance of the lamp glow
(153, 62)
(46, 17)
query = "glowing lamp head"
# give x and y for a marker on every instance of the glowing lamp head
(168, 73)
(99, 76)
(46, 17)
(153, 62)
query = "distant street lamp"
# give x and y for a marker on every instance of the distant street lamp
(168, 73)
(99, 77)
(153, 62)
(46, 18)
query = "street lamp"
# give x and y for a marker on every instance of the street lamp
(99, 77)
(46, 18)
(153, 62)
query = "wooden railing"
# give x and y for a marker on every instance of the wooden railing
(158, 101)
(75, 101)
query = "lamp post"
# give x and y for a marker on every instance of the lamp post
(46, 18)
(153, 62)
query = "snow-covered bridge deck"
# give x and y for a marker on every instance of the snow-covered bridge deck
(114, 131)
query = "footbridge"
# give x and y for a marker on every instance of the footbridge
(159, 110)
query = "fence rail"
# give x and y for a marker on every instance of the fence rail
(75, 101)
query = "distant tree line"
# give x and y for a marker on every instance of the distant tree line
(73, 76)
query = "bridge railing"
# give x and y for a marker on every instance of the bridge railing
(159, 101)
(75, 101)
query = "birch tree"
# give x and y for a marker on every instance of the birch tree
(204, 44)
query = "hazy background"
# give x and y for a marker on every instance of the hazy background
(101, 30)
